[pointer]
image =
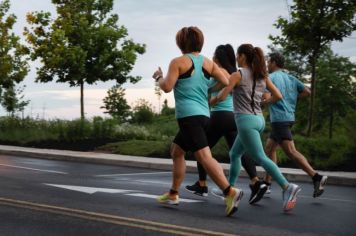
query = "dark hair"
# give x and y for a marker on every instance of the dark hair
(190, 39)
(277, 58)
(225, 55)
(256, 62)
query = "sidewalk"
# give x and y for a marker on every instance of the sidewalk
(335, 177)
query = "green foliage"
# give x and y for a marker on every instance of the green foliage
(142, 112)
(84, 44)
(13, 64)
(12, 100)
(166, 110)
(140, 148)
(116, 104)
(336, 88)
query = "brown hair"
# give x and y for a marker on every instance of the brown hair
(190, 39)
(256, 62)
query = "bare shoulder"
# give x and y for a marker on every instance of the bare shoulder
(208, 64)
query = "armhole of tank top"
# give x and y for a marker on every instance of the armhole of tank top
(189, 72)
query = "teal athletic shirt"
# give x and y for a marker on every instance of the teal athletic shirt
(224, 105)
(191, 94)
(290, 87)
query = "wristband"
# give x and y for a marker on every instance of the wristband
(157, 78)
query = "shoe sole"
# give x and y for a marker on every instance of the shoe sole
(292, 200)
(259, 195)
(170, 202)
(236, 204)
(196, 193)
(321, 187)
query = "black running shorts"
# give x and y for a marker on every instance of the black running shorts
(281, 131)
(192, 133)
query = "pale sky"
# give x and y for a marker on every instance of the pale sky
(155, 23)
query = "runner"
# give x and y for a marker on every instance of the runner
(189, 76)
(282, 118)
(248, 86)
(222, 124)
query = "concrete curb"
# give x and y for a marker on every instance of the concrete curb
(337, 178)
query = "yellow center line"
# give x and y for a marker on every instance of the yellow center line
(113, 219)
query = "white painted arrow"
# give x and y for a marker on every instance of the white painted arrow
(135, 193)
(91, 190)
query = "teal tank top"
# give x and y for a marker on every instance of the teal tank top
(225, 105)
(191, 94)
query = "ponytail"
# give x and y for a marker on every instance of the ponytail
(256, 61)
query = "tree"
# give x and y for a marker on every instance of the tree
(143, 112)
(166, 110)
(314, 24)
(116, 104)
(336, 88)
(13, 64)
(84, 44)
(12, 100)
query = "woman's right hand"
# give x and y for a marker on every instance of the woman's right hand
(157, 74)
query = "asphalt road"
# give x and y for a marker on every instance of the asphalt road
(43, 197)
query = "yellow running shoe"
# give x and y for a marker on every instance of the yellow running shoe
(170, 199)
(233, 201)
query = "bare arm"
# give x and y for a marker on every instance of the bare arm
(275, 93)
(219, 76)
(167, 84)
(218, 86)
(234, 80)
(305, 93)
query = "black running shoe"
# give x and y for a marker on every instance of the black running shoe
(257, 191)
(319, 184)
(197, 189)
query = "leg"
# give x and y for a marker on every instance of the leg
(177, 154)
(247, 163)
(251, 139)
(290, 150)
(236, 152)
(212, 167)
(271, 152)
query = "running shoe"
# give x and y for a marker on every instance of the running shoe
(232, 202)
(218, 193)
(319, 185)
(269, 187)
(197, 189)
(257, 191)
(290, 197)
(170, 199)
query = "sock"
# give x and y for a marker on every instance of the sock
(226, 191)
(172, 192)
(316, 177)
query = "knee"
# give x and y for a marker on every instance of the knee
(176, 153)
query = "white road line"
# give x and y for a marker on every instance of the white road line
(329, 199)
(155, 196)
(27, 168)
(147, 173)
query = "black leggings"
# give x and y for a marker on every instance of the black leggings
(222, 123)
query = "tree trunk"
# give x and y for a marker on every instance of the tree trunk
(331, 120)
(82, 100)
(312, 96)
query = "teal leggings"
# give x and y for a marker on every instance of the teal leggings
(248, 140)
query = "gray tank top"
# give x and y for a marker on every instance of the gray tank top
(242, 94)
